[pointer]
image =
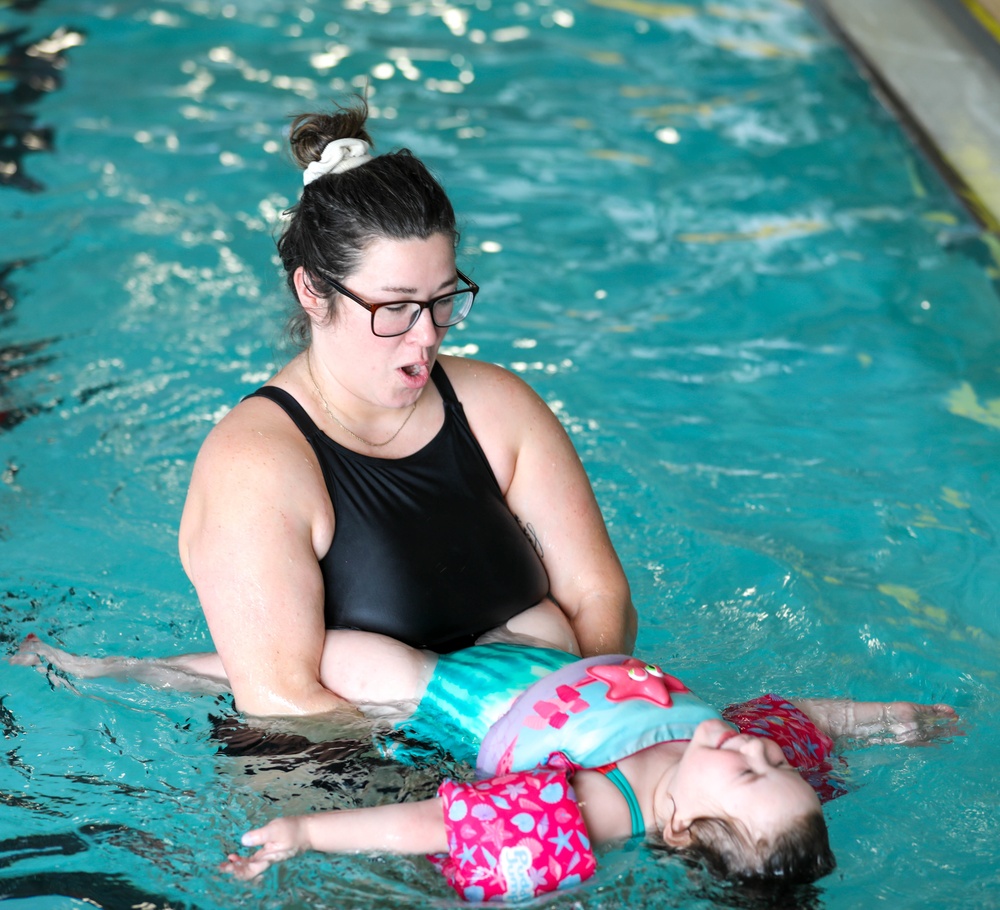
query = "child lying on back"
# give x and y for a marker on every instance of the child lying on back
(572, 752)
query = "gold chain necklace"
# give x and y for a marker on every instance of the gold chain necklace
(344, 427)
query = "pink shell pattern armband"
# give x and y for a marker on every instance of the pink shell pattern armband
(514, 837)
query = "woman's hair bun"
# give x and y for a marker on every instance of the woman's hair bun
(311, 133)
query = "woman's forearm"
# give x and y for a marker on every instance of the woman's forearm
(303, 701)
(604, 624)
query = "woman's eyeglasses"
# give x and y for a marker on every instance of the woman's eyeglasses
(397, 317)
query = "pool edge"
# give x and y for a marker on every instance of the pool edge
(936, 66)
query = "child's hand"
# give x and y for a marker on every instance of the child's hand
(278, 840)
(913, 724)
(881, 721)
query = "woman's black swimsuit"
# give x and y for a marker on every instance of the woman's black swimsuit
(425, 548)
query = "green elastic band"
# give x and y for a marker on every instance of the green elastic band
(625, 788)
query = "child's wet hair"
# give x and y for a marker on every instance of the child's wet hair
(799, 855)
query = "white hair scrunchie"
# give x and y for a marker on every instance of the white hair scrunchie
(338, 156)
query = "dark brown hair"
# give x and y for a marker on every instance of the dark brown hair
(393, 196)
(799, 855)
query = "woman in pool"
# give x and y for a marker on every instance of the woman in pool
(373, 484)
(572, 751)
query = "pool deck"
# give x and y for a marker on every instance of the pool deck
(936, 65)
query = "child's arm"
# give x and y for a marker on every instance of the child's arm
(894, 721)
(199, 673)
(401, 828)
(346, 669)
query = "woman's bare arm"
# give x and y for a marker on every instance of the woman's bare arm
(256, 516)
(549, 493)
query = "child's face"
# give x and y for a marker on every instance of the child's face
(743, 778)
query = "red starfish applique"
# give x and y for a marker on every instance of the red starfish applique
(636, 679)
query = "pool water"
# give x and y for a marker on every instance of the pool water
(771, 329)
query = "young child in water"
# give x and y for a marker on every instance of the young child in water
(572, 753)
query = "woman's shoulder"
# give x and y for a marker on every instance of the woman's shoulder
(256, 490)
(477, 381)
(255, 436)
(505, 414)
(252, 463)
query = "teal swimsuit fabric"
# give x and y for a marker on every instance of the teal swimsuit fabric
(473, 688)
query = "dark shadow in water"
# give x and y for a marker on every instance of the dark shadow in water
(6, 298)
(34, 66)
(11, 727)
(355, 771)
(17, 359)
(705, 889)
(110, 892)
(32, 846)
(238, 739)
(113, 892)
(763, 897)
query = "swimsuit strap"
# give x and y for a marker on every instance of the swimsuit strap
(307, 426)
(614, 774)
(443, 383)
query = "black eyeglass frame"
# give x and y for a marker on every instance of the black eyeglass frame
(373, 308)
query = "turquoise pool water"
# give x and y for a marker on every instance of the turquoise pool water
(771, 330)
